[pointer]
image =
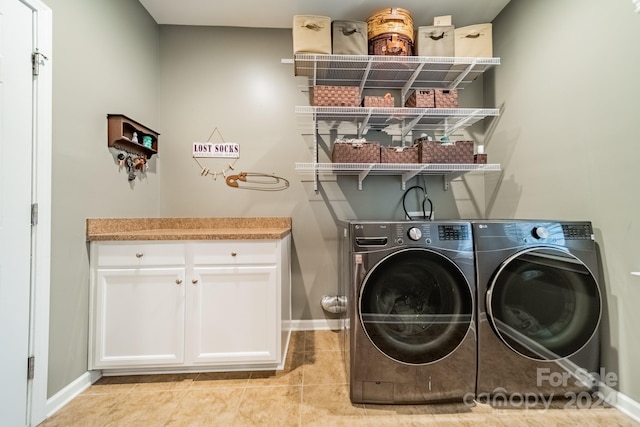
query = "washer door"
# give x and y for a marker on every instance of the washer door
(544, 303)
(416, 306)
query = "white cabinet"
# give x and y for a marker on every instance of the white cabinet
(234, 285)
(184, 306)
(244, 300)
(139, 317)
(399, 73)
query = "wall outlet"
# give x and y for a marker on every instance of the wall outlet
(418, 215)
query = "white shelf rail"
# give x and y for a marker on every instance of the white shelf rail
(405, 170)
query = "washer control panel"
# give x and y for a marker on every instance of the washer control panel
(454, 232)
(577, 231)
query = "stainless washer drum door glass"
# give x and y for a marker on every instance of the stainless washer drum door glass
(544, 303)
(416, 306)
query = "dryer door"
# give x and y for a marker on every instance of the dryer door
(416, 306)
(544, 303)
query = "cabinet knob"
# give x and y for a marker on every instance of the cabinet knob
(139, 255)
(234, 253)
(194, 281)
(178, 281)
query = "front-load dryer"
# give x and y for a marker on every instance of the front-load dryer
(539, 308)
(411, 305)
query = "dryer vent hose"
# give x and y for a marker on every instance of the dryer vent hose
(335, 304)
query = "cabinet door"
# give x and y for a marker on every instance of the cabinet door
(233, 315)
(139, 317)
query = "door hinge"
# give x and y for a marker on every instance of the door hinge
(36, 59)
(34, 214)
(31, 362)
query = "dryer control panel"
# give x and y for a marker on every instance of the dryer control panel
(378, 235)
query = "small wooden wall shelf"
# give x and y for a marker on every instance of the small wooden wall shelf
(121, 130)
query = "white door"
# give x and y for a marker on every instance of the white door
(16, 124)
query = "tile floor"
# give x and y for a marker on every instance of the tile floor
(311, 391)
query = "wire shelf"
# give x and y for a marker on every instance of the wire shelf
(391, 72)
(393, 121)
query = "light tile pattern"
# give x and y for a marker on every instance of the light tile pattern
(312, 390)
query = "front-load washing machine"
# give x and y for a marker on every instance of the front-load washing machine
(411, 305)
(539, 308)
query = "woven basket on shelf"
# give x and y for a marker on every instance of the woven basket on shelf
(421, 98)
(399, 154)
(480, 159)
(446, 98)
(361, 152)
(459, 152)
(378, 101)
(339, 96)
(391, 44)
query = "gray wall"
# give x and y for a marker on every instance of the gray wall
(564, 140)
(567, 140)
(232, 79)
(105, 60)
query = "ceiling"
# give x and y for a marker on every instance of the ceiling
(279, 13)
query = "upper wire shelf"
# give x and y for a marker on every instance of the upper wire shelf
(391, 72)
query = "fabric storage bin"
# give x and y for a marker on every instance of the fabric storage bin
(312, 34)
(474, 41)
(349, 37)
(331, 96)
(421, 98)
(355, 152)
(435, 41)
(390, 32)
(446, 98)
(480, 159)
(379, 101)
(438, 152)
(400, 154)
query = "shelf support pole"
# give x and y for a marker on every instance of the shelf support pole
(316, 155)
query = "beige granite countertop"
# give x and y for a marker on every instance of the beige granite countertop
(236, 228)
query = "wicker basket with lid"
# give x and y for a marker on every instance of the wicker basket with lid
(390, 20)
(390, 32)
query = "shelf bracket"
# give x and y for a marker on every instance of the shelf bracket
(410, 174)
(365, 123)
(460, 123)
(447, 178)
(363, 174)
(365, 76)
(409, 83)
(454, 84)
(408, 128)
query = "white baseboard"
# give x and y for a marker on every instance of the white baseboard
(66, 395)
(621, 402)
(315, 325)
